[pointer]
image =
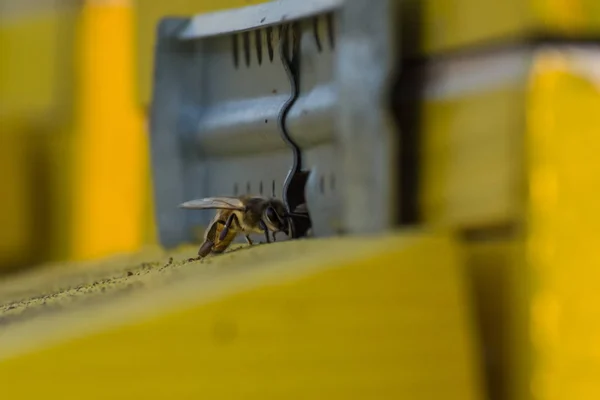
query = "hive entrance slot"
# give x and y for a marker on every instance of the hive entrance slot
(297, 202)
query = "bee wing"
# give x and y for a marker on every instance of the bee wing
(226, 203)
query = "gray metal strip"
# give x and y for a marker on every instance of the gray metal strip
(173, 180)
(367, 135)
(253, 17)
(458, 76)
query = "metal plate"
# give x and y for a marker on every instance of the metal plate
(220, 85)
(214, 130)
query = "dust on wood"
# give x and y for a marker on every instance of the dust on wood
(53, 288)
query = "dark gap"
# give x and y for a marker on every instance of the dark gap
(247, 187)
(235, 189)
(236, 51)
(486, 313)
(316, 33)
(260, 187)
(296, 198)
(496, 232)
(258, 37)
(273, 188)
(296, 39)
(322, 184)
(290, 39)
(270, 43)
(406, 100)
(246, 37)
(40, 181)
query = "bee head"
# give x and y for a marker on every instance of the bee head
(274, 217)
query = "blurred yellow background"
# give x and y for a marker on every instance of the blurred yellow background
(75, 87)
(74, 94)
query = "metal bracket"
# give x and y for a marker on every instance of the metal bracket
(229, 116)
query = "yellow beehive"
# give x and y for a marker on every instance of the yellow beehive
(509, 158)
(349, 318)
(36, 82)
(458, 24)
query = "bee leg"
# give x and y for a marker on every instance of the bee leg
(263, 226)
(209, 242)
(248, 240)
(225, 230)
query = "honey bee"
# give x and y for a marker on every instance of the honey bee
(235, 215)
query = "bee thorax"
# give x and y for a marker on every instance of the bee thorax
(251, 228)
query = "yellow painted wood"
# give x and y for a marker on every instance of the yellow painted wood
(527, 155)
(453, 24)
(111, 146)
(148, 15)
(568, 17)
(563, 173)
(36, 97)
(379, 317)
(535, 289)
(472, 158)
(35, 66)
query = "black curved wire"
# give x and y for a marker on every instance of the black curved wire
(291, 69)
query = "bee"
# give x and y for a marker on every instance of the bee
(235, 215)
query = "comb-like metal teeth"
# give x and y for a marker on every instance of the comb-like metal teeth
(330, 30)
(236, 50)
(246, 46)
(316, 33)
(270, 39)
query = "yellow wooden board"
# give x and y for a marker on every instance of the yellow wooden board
(472, 157)
(563, 144)
(454, 24)
(36, 73)
(36, 95)
(111, 174)
(540, 325)
(384, 317)
(75, 135)
(523, 154)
